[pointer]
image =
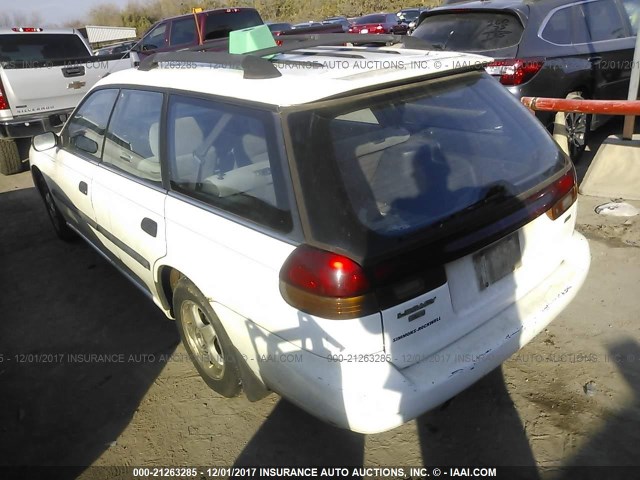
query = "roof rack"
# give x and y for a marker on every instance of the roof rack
(302, 41)
(254, 67)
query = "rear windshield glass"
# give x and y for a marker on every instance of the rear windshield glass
(219, 24)
(414, 158)
(27, 47)
(470, 32)
(371, 19)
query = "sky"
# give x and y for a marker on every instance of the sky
(55, 11)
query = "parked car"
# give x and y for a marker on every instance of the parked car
(365, 241)
(306, 24)
(122, 47)
(554, 48)
(278, 28)
(410, 17)
(342, 21)
(379, 23)
(34, 99)
(181, 32)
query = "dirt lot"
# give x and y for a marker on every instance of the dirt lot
(92, 374)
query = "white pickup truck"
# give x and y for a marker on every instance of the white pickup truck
(43, 75)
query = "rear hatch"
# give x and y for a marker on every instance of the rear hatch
(46, 71)
(439, 192)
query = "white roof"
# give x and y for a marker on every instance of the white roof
(323, 74)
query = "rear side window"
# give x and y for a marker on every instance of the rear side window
(220, 23)
(567, 26)
(413, 158)
(603, 20)
(86, 128)
(558, 27)
(38, 47)
(632, 7)
(228, 157)
(183, 31)
(470, 31)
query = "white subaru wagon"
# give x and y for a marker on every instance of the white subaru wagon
(364, 230)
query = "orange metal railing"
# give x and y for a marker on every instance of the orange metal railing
(604, 107)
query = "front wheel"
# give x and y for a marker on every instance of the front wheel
(205, 340)
(578, 126)
(57, 220)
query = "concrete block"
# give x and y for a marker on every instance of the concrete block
(615, 170)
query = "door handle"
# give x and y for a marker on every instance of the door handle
(83, 187)
(149, 227)
(595, 59)
(126, 158)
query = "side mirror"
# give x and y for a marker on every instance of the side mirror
(44, 141)
(85, 144)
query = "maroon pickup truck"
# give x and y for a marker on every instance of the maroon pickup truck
(184, 31)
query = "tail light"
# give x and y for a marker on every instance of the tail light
(26, 29)
(326, 284)
(4, 103)
(556, 198)
(379, 28)
(515, 71)
(565, 189)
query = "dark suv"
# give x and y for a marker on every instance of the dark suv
(546, 48)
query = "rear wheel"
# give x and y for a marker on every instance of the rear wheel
(9, 157)
(578, 126)
(205, 340)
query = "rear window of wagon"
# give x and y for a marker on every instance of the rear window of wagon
(414, 158)
(470, 31)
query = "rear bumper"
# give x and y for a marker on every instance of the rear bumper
(28, 126)
(374, 396)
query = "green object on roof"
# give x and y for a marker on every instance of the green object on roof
(250, 39)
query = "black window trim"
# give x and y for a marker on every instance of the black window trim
(625, 23)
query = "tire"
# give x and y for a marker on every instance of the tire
(205, 340)
(63, 232)
(9, 157)
(578, 127)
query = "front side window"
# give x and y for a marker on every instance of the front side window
(155, 38)
(132, 144)
(227, 157)
(183, 31)
(85, 131)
